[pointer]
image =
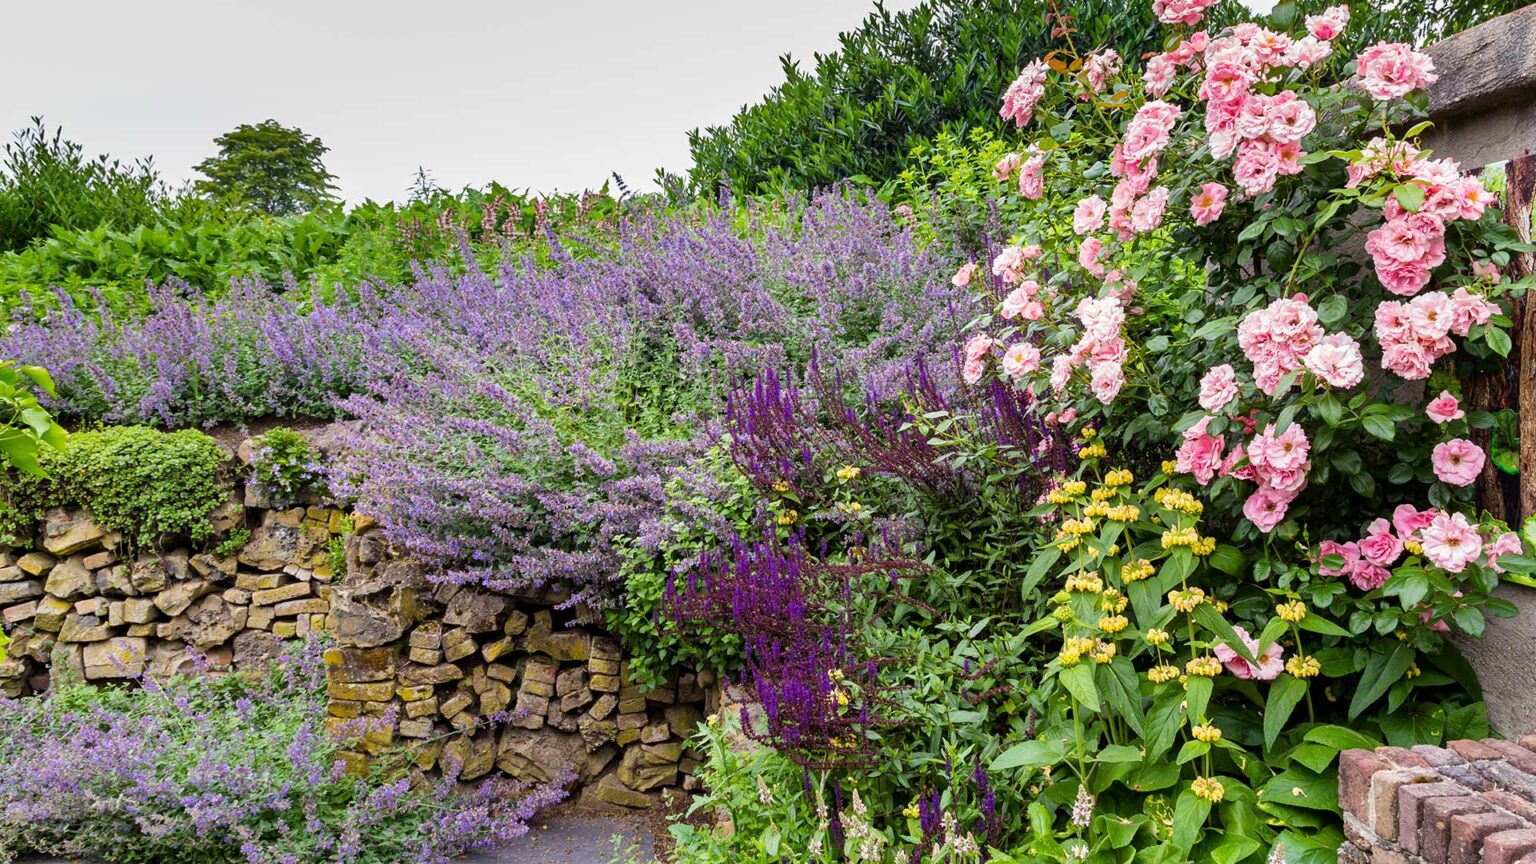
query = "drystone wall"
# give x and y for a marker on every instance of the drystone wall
(449, 673)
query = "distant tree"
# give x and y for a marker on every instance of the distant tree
(271, 167)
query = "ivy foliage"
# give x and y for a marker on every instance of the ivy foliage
(142, 482)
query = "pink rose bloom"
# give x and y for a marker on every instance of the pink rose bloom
(1024, 94)
(1308, 51)
(1100, 67)
(1380, 545)
(1230, 466)
(1148, 132)
(1180, 11)
(1088, 256)
(1444, 408)
(1266, 508)
(1257, 167)
(1330, 24)
(1458, 461)
(1020, 359)
(1106, 381)
(1504, 544)
(1159, 74)
(1089, 215)
(1467, 310)
(1268, 667)
(1409, 521)
(1206, 205)
(1032, 178)
(1288, 117)
(1201, 454)
(1006, 166)
(1061, 373)
(1392, 70)
(1486, 271)
(1147, 213)
(963, 276)
(1014, 303)
(1408, 360)
(1009, 264)
(1286, 451)
(1218, 388)
(1451, 543)
(1337, 361)
(1430, 316)
(1350, 552)
(1367, 576)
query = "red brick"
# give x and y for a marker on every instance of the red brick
(1383, 855)
(1434, 842)
(1469, 830)
(1506, 800)
(1528, 858)
(1437, 757)
(1355, 770)
(1514, 754)
(1529, 743)
(1474, 750)
(1506, 846)
(1402, 757)
(1410, 805)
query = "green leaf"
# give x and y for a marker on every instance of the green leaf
(1079, 682)
(1197, 692)
(1379, 426)
(1189, 817)
(1315, 623)
(1029, 754)
(1382, 670)
(771, 841)
(1298, 787)
(1213, 621)
(1235, 850)
(1332, 310)
(1118, 753)
(1119, 686)
(1498, 340)
(1409, 195)
(1164, 721)
(1228, 559)
(1284, 695)
(1044, 561)
(1341, 738)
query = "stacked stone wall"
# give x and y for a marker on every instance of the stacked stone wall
(448, 673)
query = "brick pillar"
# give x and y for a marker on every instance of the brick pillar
(1472, 802)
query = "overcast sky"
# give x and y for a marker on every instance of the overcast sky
(548, 94)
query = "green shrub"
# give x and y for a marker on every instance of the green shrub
(703, 507)
(286, 467)
(140, 481)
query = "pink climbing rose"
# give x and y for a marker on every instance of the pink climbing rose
(1218, 388)
(1451, 543)
(1268, 665)
(1444, 408)
(1392, 70)
(1458, 461)
(1206, 204)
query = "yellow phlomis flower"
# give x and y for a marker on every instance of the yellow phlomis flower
(1207, 733)
(1293, 611)
(1208, 788)
(1203, 667)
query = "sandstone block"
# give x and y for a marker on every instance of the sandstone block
(15, 592)
(119, 657)
(36, 563)
(273, 596)
(66, 532)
